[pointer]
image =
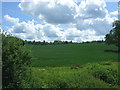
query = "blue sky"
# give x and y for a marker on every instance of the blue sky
(112, 6)
(56, 21)
(12, 9)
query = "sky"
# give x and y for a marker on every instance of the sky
(65, 20)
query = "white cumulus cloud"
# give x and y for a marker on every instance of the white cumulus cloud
(92, 9)
(114, 13)
(11, 19)
(63, 20)
(52, 11)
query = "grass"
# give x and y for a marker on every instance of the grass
(102, 75)
(71, 54)
(90, 65)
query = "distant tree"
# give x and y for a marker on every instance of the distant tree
(33, 42)
(114, 36)
(50, 43)
(66, 42)
(43, 42)
(25, 41)
(57, 42)
(15, 60)
(70, 42)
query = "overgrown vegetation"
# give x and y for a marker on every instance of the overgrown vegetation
(102, 75)
(15, 62)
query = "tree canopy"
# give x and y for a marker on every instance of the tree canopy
(114, 36)
(15, 59)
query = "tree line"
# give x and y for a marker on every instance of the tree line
(57, 42)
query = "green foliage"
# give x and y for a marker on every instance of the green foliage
(15, 60)
(108, 74)
(114, 36)
(56, 42)
(71, 54)
(89, 76)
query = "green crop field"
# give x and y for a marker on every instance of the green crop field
(88, 65)
(71, 54)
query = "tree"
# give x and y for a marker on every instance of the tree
(15, 60)
(114, 36)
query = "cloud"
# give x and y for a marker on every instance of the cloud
(24, 30)
(64, 11)
(92, 9)
(55, 11)
(79, 36)
(48, 32)
(11, 19)
(64, 20)
(94, 15)
(88, 14)
(28, 30)
(101, 26)
(114, 13)
(51, 31)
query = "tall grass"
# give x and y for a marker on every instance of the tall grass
(94, 75)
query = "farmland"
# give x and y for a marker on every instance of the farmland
(88, 65)
(71, 54)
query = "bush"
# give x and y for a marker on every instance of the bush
(107, 74)
(65, 78)
(15, 60)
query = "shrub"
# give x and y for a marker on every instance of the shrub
(107, 74)
(15, 60)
